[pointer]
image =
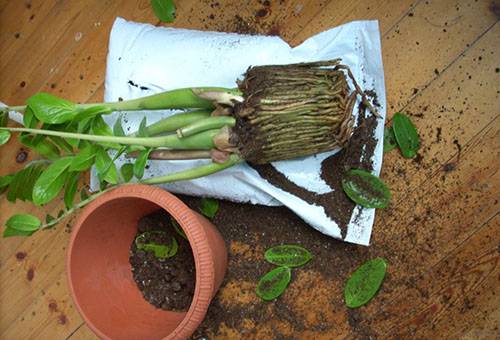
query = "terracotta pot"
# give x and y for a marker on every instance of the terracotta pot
(99, 271)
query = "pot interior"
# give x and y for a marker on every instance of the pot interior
(101, 276)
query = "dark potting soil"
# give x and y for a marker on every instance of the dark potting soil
(166, 283)
(356, 154)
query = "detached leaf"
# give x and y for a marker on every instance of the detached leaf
(71, 186)
(117, 128)
(274, 283)
(8, 232)
(288, 255)
(23, 222)
(51, 109)
(209, 207)
(364, 283)
(366, 189)
(4, 136)
(140, 163)
(164, 10)
(160, 250)
(105, 167)
(84, 160)
(50, 183)
(389, 139)
(406, 135)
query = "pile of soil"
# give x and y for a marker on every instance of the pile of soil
(166, 283)
(356, 155)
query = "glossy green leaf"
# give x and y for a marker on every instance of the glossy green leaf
(52, 180)
(29, 119)
(9, 232)
(51, 109)
(61, 143)
(209, 207)
(32, 173)
(389, 139)
(159, 250)
(71, 187)
(140, 163)
(127, 172)
(274, 283)
(143, 132)
(99, 127)
(366, 189)
(406, 135)
(4, 136)
(92, 111)
(106, 169)
(84, 159)
(44, 147)
(118, 128)
(364, 283)
(178, 228)
(23, 222)
(164, 10)
(288, 255)
(5, 182)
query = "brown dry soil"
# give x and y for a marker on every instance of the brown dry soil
(307, 306)
(165, 283)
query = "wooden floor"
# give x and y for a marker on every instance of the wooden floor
(441, 60)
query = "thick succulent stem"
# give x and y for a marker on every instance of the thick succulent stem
(197, 172)
(205, 124)
(174, 122)
(202, 140)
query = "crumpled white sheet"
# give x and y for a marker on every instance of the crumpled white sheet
(159, 58)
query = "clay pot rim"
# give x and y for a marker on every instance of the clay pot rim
(202, 253)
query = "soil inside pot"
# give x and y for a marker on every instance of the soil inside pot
(166, 283)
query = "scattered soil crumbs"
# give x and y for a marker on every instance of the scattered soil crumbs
(165, 283)
(357, 154)
(312, 305)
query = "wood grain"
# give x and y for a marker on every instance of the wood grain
(440, 235)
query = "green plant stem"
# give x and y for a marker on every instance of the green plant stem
(205, 124)
(174, 99)
(193, 173)
(174, 122)
(202, 140)
(74, 208)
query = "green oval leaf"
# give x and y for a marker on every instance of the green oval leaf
(364, 283)
(274, 283)
(366, 189)
(389, 139)
(23, 222)
(5, 182)
(106, 169)
(164, 10)
(71, 187)
(43, 147)
(29, 119)
(84, 159)
(127, 172)
(8, 232)
(288, 255)
(51, 109)
(142, 131)
(159, 250)
(406, 135)
(50, 183)
(209, 207)
(4, 136)
(117, 128)
(140, 163)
